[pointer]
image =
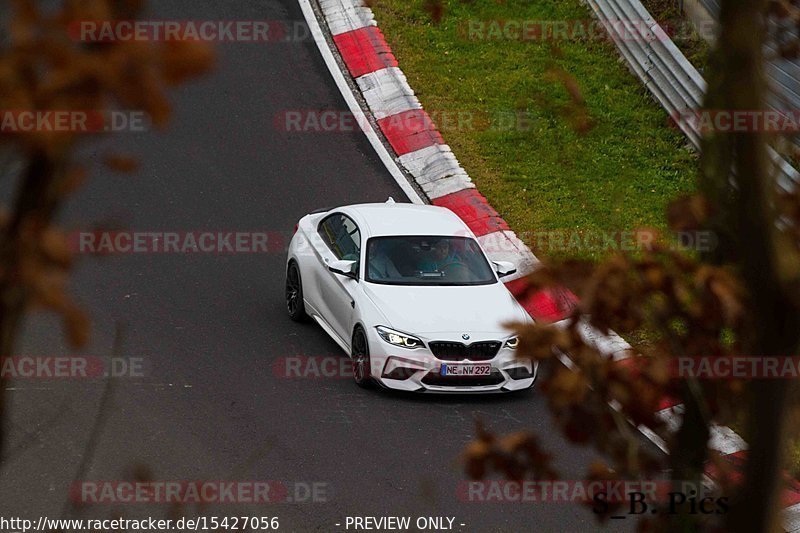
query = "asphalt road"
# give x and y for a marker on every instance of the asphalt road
(211, 327)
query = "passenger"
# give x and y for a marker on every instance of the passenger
(381, 266)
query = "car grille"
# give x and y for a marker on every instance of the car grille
(435, 378)
(456, 351)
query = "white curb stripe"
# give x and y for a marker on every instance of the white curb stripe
(387, 92)
(443, 187)
(436, 170)
(610, 345)
(433, 163)
(652, 437)
(345, 16)
(791, 518)
(725, 440)
(671, 416)
(722, 439)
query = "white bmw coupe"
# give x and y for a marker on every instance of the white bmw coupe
(408, 293)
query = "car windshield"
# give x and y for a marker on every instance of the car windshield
(427, 261)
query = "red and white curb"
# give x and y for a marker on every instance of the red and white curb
(419, 151)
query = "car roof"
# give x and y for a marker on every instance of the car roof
(387, 219)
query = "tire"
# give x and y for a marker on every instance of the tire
(294, 294)
(361, 360)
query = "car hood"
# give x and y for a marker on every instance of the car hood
(429, 309)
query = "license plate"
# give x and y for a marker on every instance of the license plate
(478, 369)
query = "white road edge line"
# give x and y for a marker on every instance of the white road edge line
(355, 108)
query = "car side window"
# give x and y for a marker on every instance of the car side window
(342, 236)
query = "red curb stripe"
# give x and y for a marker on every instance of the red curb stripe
(542, 306)
(635, 366)
(633, 363)
(737, 461)
(667, 402)
(517, 287)
(364, 50)
(474, 210)
(737, 458)
(791, 495)
(550, 305)
(409, 131)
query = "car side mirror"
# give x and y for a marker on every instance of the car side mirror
(344, 268)
(504, 268)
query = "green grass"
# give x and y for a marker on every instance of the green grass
(618, 176)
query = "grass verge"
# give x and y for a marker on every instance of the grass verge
(545, 174)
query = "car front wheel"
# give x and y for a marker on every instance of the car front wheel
(294, 294)
(361, 360)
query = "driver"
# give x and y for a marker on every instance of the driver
(440, 257)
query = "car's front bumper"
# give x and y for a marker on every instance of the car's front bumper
(418, 370)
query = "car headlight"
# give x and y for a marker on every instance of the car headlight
(398, 339)
(512, 343)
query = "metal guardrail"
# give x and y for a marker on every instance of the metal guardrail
(664, 70)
